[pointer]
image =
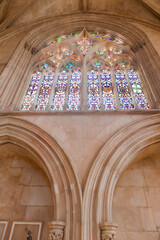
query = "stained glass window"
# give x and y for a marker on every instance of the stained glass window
(108, 98)
(70, 65)
(138, 93)
(93, 90)
(31, 91)
(45, 66)
(124, 95)
(45, 90)
(74, 90)
(60, 91)
(83, 45)
(94, 64)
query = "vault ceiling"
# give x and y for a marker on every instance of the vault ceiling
(13, 12)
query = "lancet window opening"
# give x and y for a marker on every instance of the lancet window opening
(94, 65)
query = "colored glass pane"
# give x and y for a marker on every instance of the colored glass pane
(101, 52)
(63, 37)
(74, 90)
(93, 90)
(45, 66)
(99, 83)
(137, 90)
(108, 98)
(45, 90)
(83, 45)
(70, 65)
(31, 91)
(98, 64)
(124, 95)
(60, 91)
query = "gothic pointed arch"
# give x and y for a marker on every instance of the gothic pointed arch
(52, 159)
(31, 48)
(112, 160)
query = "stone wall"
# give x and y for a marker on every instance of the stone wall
(25, 191)
(136, 199)
(82, 136)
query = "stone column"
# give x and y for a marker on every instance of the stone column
(56, 230)
(108, 231)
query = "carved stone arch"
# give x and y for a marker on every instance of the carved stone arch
(59, 169)
(14, 77)
(110, 163)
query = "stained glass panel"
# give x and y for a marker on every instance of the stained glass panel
(83, 45)
(93, 90)
(124, 95)
(137, 90)
(31, 91)
(74, 90)
(45, 66)
(70, 65)
(60, 91)
(63, 38)
(108, 98)
(45, 90)
(108, 54)
(98, 64)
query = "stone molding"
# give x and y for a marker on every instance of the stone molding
(108, 231)
(111, 162)
(52, 159)
(56, 230)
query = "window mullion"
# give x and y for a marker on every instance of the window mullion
(115, 91)
(84, 80)
(67, 90)
(130, 89)
(100, 90)
(37, 93)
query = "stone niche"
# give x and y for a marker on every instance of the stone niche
(136, 201)
(25, 192)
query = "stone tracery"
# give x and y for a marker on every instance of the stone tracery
(113, 81)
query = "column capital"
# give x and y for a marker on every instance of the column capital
(56, 230)
(108, 230)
